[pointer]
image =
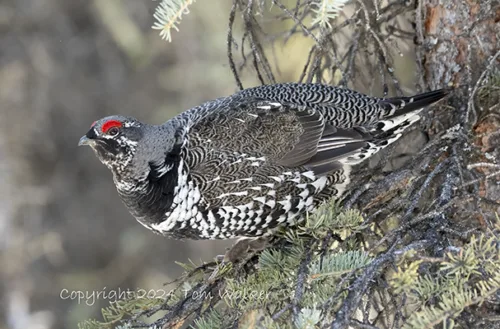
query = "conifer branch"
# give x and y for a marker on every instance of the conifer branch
(168, 14)
(327, 10)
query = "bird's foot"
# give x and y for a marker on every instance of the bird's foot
(242, 248)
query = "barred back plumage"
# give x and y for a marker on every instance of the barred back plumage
(243, 165)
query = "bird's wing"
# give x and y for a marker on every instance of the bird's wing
(273, 156)
(282, 134)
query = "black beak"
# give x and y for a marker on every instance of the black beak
(88, 138)
(84, 141)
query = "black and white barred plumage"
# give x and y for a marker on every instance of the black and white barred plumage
(243, 165)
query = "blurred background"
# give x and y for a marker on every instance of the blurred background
(64, 64)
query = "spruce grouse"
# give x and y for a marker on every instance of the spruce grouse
(243, 165)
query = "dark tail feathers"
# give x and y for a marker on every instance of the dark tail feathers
(409, 104)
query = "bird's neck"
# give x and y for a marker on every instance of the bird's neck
(150, 197)
(146, 163)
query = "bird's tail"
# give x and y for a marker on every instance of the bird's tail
(402, 105)
(401, 113)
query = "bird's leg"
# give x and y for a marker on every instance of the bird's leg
(241, 250)
(243, 247)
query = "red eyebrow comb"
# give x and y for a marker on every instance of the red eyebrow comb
(110, 124)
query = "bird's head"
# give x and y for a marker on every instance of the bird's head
(115, 140)
(132, 149)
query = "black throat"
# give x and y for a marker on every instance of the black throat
(151, 199)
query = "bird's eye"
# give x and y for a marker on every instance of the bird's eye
(113, 131)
